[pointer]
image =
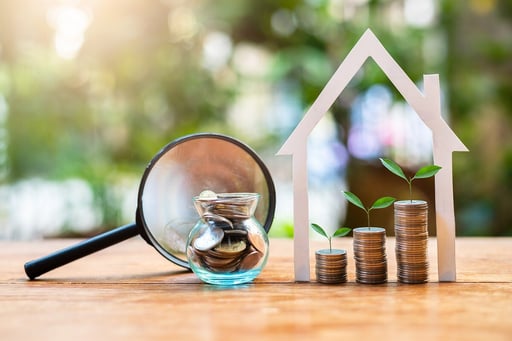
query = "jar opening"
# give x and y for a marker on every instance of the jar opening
(228, 205)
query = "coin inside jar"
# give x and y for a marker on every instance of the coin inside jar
(235, 233)
(250, 260)
(207, 195)
(210, 238)
(257, 241)
(231, 248)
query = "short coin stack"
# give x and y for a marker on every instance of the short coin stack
(411, 230)
(370, 255)
(331, 266)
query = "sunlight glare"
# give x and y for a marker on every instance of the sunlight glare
(70, 24)
(420, 13)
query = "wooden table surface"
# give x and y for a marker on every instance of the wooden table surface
(130, 292)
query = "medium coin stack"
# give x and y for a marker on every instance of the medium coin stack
(370, 255)
(411, 231)
(331, 266)
(227, 250)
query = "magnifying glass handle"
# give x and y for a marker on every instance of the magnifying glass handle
(37, 267)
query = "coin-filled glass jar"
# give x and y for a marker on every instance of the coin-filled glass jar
(228, 245)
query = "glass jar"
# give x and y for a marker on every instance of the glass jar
(227, 246)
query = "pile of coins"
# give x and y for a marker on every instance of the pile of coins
(224, 250)
(228, 241)
(411, 231)
(331, 266)
(370, 255)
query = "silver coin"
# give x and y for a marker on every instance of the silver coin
(210, 238)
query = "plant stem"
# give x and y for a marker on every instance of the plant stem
(330, 245)
(410, 189)
(368, 216)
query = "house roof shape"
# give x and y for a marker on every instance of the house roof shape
(427, 105)
(369, 46)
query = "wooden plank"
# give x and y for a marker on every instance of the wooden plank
(130, 292)
(479, 260)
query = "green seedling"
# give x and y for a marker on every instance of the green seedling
(342, 231)
(423, 173)
(379, 203)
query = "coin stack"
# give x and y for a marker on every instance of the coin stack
(370, 255)
(227, 250)
(331, 266)
(411, 231)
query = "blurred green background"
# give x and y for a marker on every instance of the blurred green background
(91, 90)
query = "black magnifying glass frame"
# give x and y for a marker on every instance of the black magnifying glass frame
(38, 267)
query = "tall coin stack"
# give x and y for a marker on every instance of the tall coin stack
(370, 255)
(331, 266)
(411, 231)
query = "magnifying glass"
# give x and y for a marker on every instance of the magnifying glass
(165, 211)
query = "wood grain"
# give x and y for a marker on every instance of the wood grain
(130, 292)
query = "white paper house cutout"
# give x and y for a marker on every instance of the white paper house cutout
(427, 105)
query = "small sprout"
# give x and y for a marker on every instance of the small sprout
(342, 231)
(423, 173)
(379, 203)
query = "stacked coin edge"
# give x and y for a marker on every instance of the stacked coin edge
(331, 266)
(411, 248)
(370, 255)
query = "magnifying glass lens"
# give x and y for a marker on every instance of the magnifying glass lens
(185, 169)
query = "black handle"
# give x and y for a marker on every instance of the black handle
(37, 267)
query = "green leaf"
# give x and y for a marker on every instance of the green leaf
(393, 167)
(383, 202)
(426, 172)
(342, 231)
(351, 197)
(318, 229)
